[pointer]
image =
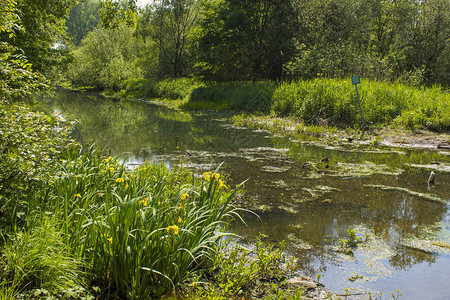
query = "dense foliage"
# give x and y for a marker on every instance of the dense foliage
(106, 59)
(246, 39)
(17, 79)
(225, 40)
(83, 18)
(43, 24)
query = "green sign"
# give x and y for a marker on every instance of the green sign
(356, 79)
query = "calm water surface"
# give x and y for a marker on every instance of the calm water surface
(306, 194)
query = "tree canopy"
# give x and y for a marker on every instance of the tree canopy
(406, 40)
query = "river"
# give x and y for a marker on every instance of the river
(306, 193)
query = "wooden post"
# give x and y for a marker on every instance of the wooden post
(355, 81)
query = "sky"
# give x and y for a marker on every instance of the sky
(142, 3)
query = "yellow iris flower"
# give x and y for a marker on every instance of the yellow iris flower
(221, 184)
(173, 228)
(144, 201)
(211, 176)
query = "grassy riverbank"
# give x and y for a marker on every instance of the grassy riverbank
(329, 102)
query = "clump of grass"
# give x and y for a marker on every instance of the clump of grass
(316, 99)
(137, 88)
(173, 89)
(38, 258)
(178, 88)
(382, 103)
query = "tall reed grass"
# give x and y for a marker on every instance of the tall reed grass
(382, 103)
(332, 101)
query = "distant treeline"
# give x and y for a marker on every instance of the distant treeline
(229, 40)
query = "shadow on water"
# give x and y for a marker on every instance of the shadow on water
(305, 194)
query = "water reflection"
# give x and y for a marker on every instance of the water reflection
(305, 194)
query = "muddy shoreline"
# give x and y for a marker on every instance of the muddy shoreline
(418, 138)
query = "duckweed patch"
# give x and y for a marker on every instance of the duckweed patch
(364, 169)
(426, 246)
(298, 243)
(440, 167)
(427, 197)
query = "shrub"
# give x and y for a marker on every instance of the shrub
(30, 148)
(106, 58)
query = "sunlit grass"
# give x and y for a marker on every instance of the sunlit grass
(38, 258)
(382, 103)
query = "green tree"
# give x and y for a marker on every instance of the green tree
(171, 24)
(17, 79)
(246, 39)
(106, 58)
(325, 38)
(431, 41)
(82, 19)
(43, 23)
(115, 12)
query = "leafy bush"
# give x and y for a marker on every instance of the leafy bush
(30, 148)
(106, 59)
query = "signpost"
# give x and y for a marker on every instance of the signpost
(357, 80)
